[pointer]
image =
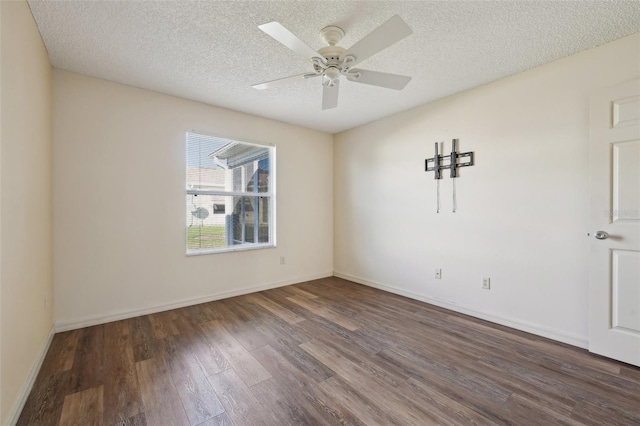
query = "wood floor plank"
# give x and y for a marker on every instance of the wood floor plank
(296, 290)
(270, 326)
(239, 323)
(630, 373)
(276, 309)
(439, 346)
(64, 346)
(239, 403)
(139, 419)
(284, 404)
(522, 410)
(474, 394)
(379, 392)
(219, 420)
(368, 295)
(291, 290)
(345, 307)
(200, 313)
(83, 408)
(324, 312)
(88, 364)
(337, 391)
(210, 358)
(161, 400)
(145, 345)
(122, 397)
(574, 388)
(588, 412)
(369, 363)
(278, 366)
(44, 404)
(162, 323)
(552, 398)
(291, 351)
(445, 409)
(300, 389)
(244, 364)
(604, 381)
(69, 350)
(198, 398)
(360, 338)
(538, 352)
(331, 411)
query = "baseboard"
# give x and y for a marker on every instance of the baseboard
(536, 329)
(31, 379)
(73, 324)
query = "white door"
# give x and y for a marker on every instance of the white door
(614, 267)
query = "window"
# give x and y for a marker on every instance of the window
(229, 195)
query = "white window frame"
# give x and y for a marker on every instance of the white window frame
(271, 194)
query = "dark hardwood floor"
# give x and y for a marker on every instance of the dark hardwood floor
(323, 352)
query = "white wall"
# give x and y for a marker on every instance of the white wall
(522, 208)
(25, 205)
(115, 256)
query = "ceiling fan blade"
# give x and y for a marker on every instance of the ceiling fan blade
(392, 31)
(330, 96)
(382, 79)
(286, 37)
(282, 81)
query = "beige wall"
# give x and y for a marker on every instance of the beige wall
(25, 203)
(522, 208)
(116, 145)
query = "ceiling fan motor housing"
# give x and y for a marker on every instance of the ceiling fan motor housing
(333, 66)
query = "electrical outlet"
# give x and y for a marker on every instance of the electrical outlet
(438, 274)
(282, 260)
(486, 283)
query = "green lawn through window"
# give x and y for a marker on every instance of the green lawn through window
(205, 237)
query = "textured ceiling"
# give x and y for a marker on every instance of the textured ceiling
(213, 51)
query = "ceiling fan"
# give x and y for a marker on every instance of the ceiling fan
(332, 62)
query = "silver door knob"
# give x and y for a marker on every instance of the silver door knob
(601, 235)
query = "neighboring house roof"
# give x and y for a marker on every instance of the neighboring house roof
(238, 154)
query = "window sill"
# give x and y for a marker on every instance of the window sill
(245, 247)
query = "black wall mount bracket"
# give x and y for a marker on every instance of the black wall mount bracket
(437, 163)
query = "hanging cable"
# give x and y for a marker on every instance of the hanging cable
(436, 167)
(453, 166)
(455, 201)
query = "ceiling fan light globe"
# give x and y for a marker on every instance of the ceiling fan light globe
(332, 73)
(326, 81)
